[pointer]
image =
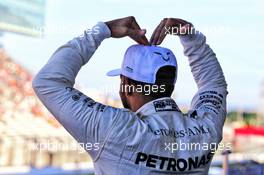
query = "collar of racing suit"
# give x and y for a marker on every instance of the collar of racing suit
(158, 105)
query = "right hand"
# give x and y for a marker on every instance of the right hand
(127, 27)
(174, 26)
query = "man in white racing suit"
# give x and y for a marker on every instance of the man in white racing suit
(150, 135)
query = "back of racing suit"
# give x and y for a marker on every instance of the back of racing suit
(156, 139)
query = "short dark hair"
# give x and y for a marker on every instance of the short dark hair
(165, 76)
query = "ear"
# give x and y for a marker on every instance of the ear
(127, 83)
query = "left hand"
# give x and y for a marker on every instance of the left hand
(127, 27)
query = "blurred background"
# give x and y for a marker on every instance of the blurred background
(32, 142)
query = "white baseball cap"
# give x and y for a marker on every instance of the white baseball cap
(141, 63)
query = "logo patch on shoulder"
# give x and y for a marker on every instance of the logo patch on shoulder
(165, 105)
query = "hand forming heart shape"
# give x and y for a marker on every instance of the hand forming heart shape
(128, 26)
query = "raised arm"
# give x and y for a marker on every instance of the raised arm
(210, 100)
(54, 87)
(86, 120)
(204, 65)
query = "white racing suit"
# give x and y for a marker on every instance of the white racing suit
(158, 138)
